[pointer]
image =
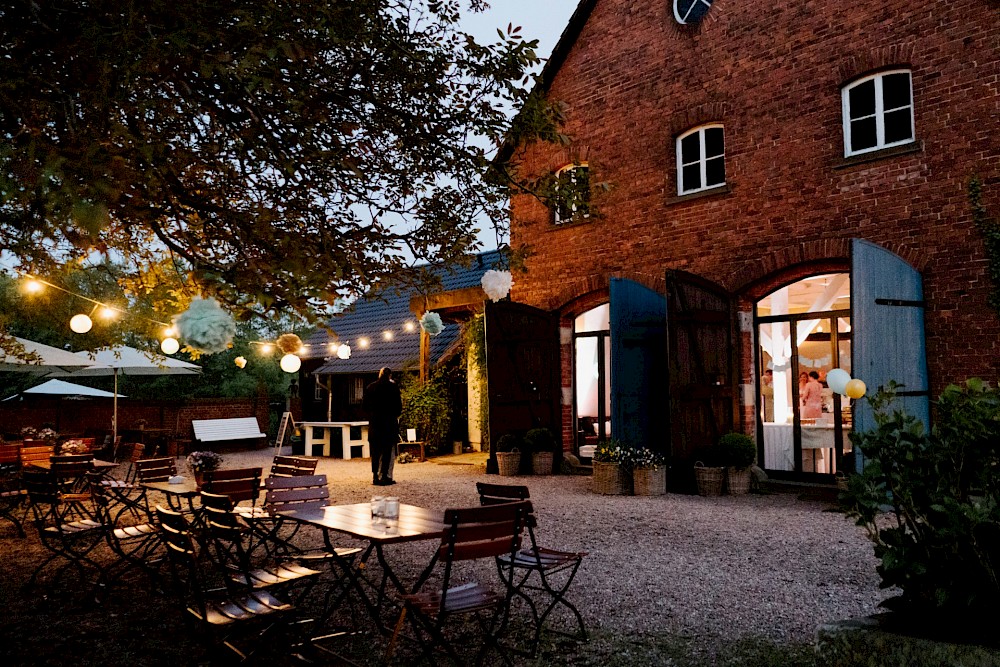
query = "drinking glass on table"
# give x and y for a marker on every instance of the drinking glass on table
(378, 509)
(391, 512)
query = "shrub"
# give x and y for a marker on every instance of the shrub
(508, 442)
(541, 440)
(737, 450)
(940, 543)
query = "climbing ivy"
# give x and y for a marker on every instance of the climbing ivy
(989, 227)
(475, 347)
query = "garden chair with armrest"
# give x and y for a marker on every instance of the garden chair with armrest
(556, 569)
(470, 534)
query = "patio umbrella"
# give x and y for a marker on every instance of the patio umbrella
(128, 361)
(51, 360)
(63, 388)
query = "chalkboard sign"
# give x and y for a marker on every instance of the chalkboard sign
(284, 431)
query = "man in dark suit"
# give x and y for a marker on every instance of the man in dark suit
(383, 404)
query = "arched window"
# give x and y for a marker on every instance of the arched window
(878, 112)
(701, 159)
(572, 190)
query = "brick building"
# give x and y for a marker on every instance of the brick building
(789, 191)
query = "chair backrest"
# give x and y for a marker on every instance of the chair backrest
(239, 484)
(495, 494)
(226, 529)
(483, 532)
(42, 487)
(10, 453)
(155, 470)
(72, 465)
(175, 532)
(293, 466)
(303, 492)
(35, 453)
(135, 451)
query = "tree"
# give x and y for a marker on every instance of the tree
(284, 154)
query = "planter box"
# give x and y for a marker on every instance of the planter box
(891, 639)
(508, 463)
(611, 480)
(649, 482)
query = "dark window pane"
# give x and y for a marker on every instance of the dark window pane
(897, 126)
(895, 91)
(863, 134)
(691, 178)
(715, 171)
(690, 148)
(692, 11)
(862, 99)
(714, 142)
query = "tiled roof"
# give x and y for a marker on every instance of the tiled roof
(370, 317)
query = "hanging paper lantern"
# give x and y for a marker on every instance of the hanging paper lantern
(240, 361)
(289, 343)
(170, 346)
(205, 326)
(497, 284)
(837, 380)
(344, 352)
(81, 323)
(290, 363)
(856, 388)
(431, 323)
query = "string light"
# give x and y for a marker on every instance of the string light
(387, 335)
(409, 326)
(108, 313)
(363, 342)
(34, 286)
(290, 363)
(170, 346)
(81, 323)
(266, 348)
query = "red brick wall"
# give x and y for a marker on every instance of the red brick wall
(773, 75)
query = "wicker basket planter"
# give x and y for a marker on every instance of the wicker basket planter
(649, 481)
(709, 479)
(738, 481)
(541, 463)
(610, 479)
(508, 463)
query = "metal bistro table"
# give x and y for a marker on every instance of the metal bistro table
(320, 433)
(414, 524)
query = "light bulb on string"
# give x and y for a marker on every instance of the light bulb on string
(344, 352)
(81, 323)
(290, 363)
(408, 326)
(363, 342)
(170, 332)
(333, 347)
(108, 313)
(33, 286)
(387, 335)
(170, 346)
(266, 348)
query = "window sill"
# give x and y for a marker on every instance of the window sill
(874, 156)
(712, 192)
(553, 226)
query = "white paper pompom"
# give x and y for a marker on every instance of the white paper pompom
(431, 323)
(497, 284)
(205, 326)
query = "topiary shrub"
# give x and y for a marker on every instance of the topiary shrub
(541, 440)
(737, 450)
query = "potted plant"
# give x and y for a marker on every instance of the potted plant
(737, 453)
(200, 462)
(611, 469)
(649, 472)
(508, 452)
(709, 474)
(543, 446)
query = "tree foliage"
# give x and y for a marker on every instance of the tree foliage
(279, 154)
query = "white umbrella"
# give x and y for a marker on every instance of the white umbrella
(128, 361)
(50, 359)
(63, 388)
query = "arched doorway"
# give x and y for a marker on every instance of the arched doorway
(592, 375)
(804, 331)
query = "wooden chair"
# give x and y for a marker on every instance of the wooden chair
(155, 470)
(293, 466)
(239, 484)
(31, 454)
(470, 534)
(555, 569)
(218, 612)
(133, 454)
(12, 495)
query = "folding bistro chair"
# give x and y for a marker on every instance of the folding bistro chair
(12, 494)
(31, 454)
(239, 484)
(63, 533)
(470, 534)
(218, 611)
(556, 569)
(155, 470)
(293, 466)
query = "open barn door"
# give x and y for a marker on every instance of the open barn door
(522, 366)
(887, 302)
(701, 366)
(638, 364)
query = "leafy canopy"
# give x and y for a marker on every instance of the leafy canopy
(284, 153)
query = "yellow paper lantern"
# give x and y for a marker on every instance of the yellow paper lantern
(856, 388)
(290, 363)
(240, 361)
(81, 323)
(170, 346)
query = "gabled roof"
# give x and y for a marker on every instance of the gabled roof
(371, 316)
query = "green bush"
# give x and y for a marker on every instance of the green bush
(939, 541)
(508, 442)
(541, 440)
(737, 450)
(427, 407)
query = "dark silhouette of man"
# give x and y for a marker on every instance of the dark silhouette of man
(383, 404)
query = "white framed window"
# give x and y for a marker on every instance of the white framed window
(701, 159)
(878, 112)
(357, 390)
(572, 189)
(319, 389)
(688, 12)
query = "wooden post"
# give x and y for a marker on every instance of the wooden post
(425, 356)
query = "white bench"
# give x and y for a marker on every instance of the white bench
(223, 430)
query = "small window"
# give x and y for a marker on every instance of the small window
(319, 390)
(689, 12)
(357, 390)
(878, 112)
(701, 159)
(572, 194)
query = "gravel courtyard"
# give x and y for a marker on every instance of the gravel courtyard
(674, 580)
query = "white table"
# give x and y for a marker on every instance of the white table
(319, 433)
(779, 450)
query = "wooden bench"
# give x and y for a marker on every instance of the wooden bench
(226, 430)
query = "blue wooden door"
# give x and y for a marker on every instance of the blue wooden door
(887, 325)
(638, 365)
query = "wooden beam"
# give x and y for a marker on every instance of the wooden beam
(469, 298)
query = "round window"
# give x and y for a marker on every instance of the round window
(689, 12)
